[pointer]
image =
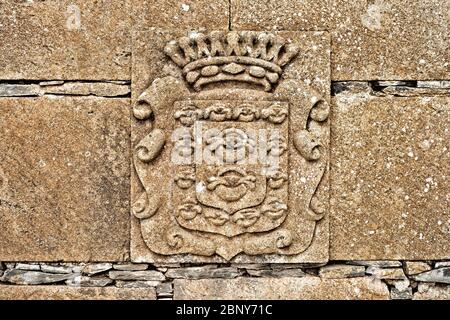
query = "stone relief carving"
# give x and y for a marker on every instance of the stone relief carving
(236, 155)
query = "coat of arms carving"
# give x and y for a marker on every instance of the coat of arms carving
(230, 146)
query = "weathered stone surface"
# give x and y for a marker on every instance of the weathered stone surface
(203, 272)
(427, 291)
(401, 290)
(180, 14)
(276, 273)
(72, 293)
(379, 39)
(64, 179)
(131, 266)
(402, 91)
(17, 90)
(434, 84)
(441, 264)
(356, 87)
(94, 268)
(148, 275)
(251, 266)
(83, 281)
(376, 263)
(389, 176)
(101, 89)
(28, 266)
(415, 267)
(266, 219)
(137, 284)
(306, 288)
(388, 273)
(56, 269)
(33, 277)
(441, 275)
(65, 40)
(164, 289)
(341, 271)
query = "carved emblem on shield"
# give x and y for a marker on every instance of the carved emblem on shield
(230, 148)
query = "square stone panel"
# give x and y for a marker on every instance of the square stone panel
(390, 178)
(373, 39)
(64, 179)
(206, 96)
(65, 39)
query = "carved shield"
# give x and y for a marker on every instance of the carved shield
(234, 181)
(230, 154)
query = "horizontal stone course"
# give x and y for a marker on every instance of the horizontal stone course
(8, 292)
(305, 288)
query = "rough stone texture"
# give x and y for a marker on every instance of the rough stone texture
(83, 281)
(389, 178)
(292, 235)
(33, 277)
(148, 275)
(28, 266)
(165, 289)
(276, 273)
(203, 272)
(55, 269)
(415, 267)
(101, 89)
(131, 267)
(95, 268)
(341, 271)
(403, 91)
(306, 288)
(17, 90)
(441, 264)
(441, 275)
(376, 263)
(72, 293)
(180, 14)
(64, 179)
(42, 40)
(137, 284)
(389, 273)
(401, 290)
(376, 39)
(428, 291)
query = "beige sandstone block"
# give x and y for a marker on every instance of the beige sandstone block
(64, 179)
(72, 293)
(416, 267)
(375, 39)
(232, 83)
(305, 288)
(65, 39)
(176, 14)
(427, 291)
(390, 178)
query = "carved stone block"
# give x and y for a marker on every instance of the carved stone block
(230, 144)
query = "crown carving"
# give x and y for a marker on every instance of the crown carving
(255, 58)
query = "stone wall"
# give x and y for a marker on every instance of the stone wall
(85, 84)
